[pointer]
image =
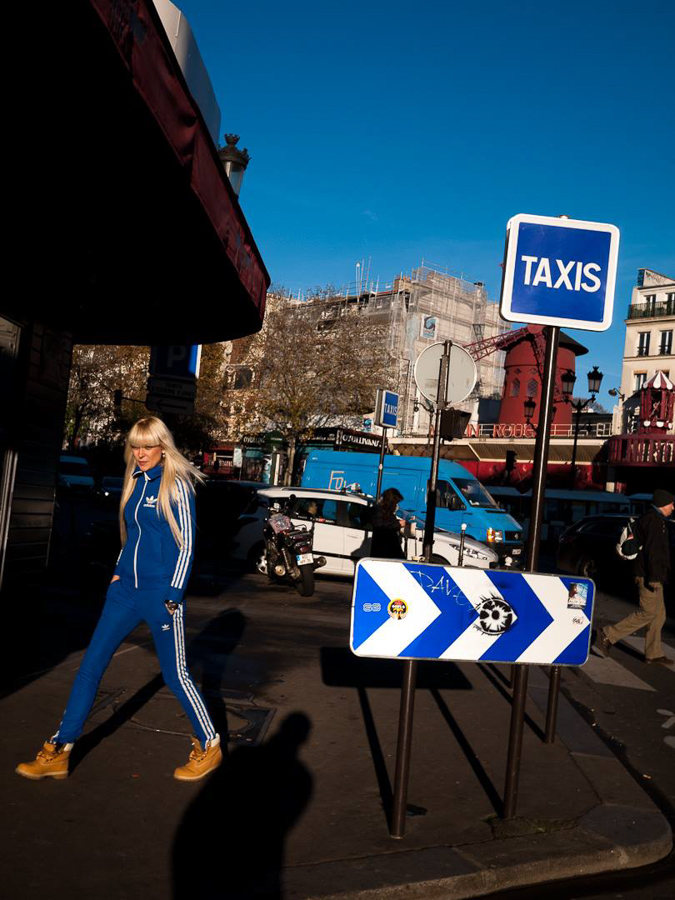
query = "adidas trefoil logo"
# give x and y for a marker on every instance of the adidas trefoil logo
(165, 627)
(150, 502)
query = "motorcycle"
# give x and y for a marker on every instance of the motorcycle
(288, 550)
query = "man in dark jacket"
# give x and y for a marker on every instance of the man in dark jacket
(651, 569)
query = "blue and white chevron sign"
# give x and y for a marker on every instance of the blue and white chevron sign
(409, 610)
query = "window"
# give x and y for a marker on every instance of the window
(532, 387)
(475, 493)
(358, 515)
(666, 343)
(640, 380)
(643, 343)
(515, 387)
(318, 508)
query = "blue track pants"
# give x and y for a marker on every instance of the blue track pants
(125, 608)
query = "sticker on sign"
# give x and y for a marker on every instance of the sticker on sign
(559, 271)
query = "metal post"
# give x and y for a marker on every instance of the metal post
(536, 515)
(578, 406)
(405, 724)
(460, 555)
(405, 719)
(552, 707)
(380, 468)
(433, 477)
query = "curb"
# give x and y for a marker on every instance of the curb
(609, 838)
(625, 830)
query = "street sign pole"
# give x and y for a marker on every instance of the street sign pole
(405, 718)
(433, 479)
(380, 468)
(536, 516)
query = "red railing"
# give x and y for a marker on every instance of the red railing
(642, 450)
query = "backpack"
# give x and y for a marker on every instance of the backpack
(628, 545)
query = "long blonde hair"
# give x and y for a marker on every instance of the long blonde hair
(151, 431)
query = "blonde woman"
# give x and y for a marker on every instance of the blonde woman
(157, 531)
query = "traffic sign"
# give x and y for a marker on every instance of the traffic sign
(410, 610)
(560, 272)
(162, 404)
(176, 360)
(386, 409)
(462, 373)
(173, 387)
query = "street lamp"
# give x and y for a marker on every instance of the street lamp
(529, 407)
(234, 160)
(594, 382)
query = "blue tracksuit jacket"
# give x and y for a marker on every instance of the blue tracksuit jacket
(150, 557)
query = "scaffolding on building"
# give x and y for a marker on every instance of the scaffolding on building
(427, 306)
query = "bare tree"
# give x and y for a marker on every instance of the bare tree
(306, 373)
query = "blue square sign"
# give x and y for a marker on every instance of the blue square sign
(386, 409)
(559, 272)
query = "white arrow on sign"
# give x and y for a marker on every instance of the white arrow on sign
(395, 635)
(566, 625)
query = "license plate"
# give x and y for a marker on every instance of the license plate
(517, 551)
(304, 559)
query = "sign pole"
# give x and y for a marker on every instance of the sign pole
(380, 468)
(536, 517)
(405, 718)
(433, 478)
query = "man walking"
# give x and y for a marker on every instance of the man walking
(651, 569)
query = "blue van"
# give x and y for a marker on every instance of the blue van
(461, 497)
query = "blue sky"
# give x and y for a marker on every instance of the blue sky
(400, 131)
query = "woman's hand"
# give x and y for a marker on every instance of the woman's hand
(114, 579)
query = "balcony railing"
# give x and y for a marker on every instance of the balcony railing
(642, 450)
(651, 310)
(520, 430)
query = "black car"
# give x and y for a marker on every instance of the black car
(588, 548)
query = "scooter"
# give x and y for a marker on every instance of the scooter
(288, 550)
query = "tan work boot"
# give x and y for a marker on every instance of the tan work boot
(51, 762)
(202, 760)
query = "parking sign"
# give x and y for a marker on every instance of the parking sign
(560, 272)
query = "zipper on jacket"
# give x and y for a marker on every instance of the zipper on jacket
(138, 539)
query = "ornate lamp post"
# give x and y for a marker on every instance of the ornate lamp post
(594, 382)
(234, 160)
(529, 407)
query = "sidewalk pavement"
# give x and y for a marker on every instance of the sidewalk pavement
(299, 808)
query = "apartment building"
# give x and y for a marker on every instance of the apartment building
(428, 306)
(649, 346)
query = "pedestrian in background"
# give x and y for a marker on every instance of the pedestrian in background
(651, 569)
(157, 534)
(386, 543)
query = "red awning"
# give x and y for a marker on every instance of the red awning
(136, 234)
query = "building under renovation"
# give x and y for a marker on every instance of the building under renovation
(416, 311)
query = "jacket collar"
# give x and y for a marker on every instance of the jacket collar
(151, 474)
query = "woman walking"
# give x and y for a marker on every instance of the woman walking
(157, 532)
(386, 527)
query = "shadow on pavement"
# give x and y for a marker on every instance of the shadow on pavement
(498, 681)
(230, 842)
(340, 668)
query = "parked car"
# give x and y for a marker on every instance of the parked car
(588, 548)
(342, 532)
(74, 474)
(111, 488)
